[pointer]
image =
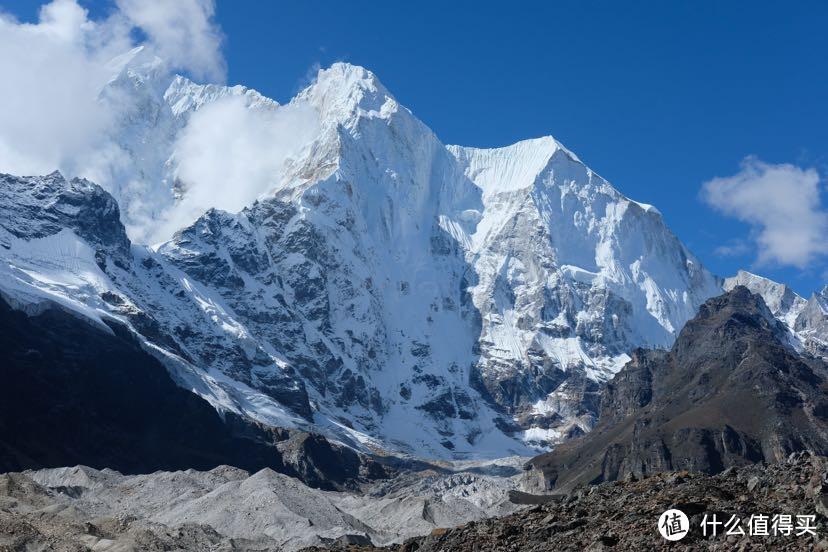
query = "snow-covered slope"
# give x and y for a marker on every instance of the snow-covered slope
(388, 290)
(150, 109)
(806, 319)
(572, 276)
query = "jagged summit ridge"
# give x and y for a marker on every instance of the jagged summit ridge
(343, 92)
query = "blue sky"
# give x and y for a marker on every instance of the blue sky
(657, 97)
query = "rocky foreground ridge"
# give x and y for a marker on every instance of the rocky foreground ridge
(71, 509)
(734, 389)
(623, 515)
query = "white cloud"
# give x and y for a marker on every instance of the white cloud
(181, 32)
(52, 117)
(53, 71)
(782, 204)
(229, 154)
(733, 248)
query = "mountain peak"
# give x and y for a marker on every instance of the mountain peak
(347, 72)
(745, 276)
(780, 299)
(344, 91)
(737, 299)
(509, 168)
(518, 268)
(138, 63)
(730, 392)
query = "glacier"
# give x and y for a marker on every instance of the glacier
(394, 293)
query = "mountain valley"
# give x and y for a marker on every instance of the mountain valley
(396, 337)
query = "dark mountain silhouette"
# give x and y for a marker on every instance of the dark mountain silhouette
(73, 393)
(732, 391)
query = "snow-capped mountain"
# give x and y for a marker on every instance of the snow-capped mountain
(387, 290)
(572, 276)
(151, 109)
(807, 320)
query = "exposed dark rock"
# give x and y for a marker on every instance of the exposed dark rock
(624, 515)
(520, 497)
(56, 204)
(74, 394)
(731, 391)
(440, 407)
(321, 464)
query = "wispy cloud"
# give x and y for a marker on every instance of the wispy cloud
(181, 32)
(783, 205)
(733, 248)
(54, 69)
(309, 77)
(228, 155)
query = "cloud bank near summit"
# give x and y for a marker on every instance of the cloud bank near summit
(228, 155)
(52, 116)
(54, 69)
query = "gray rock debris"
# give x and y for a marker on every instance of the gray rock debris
(624, 515)
(226, 508)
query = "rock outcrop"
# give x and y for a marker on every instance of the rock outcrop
(733, 390)
(624, 515)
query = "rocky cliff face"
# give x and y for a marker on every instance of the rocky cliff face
(571, 275)
(732, 390)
